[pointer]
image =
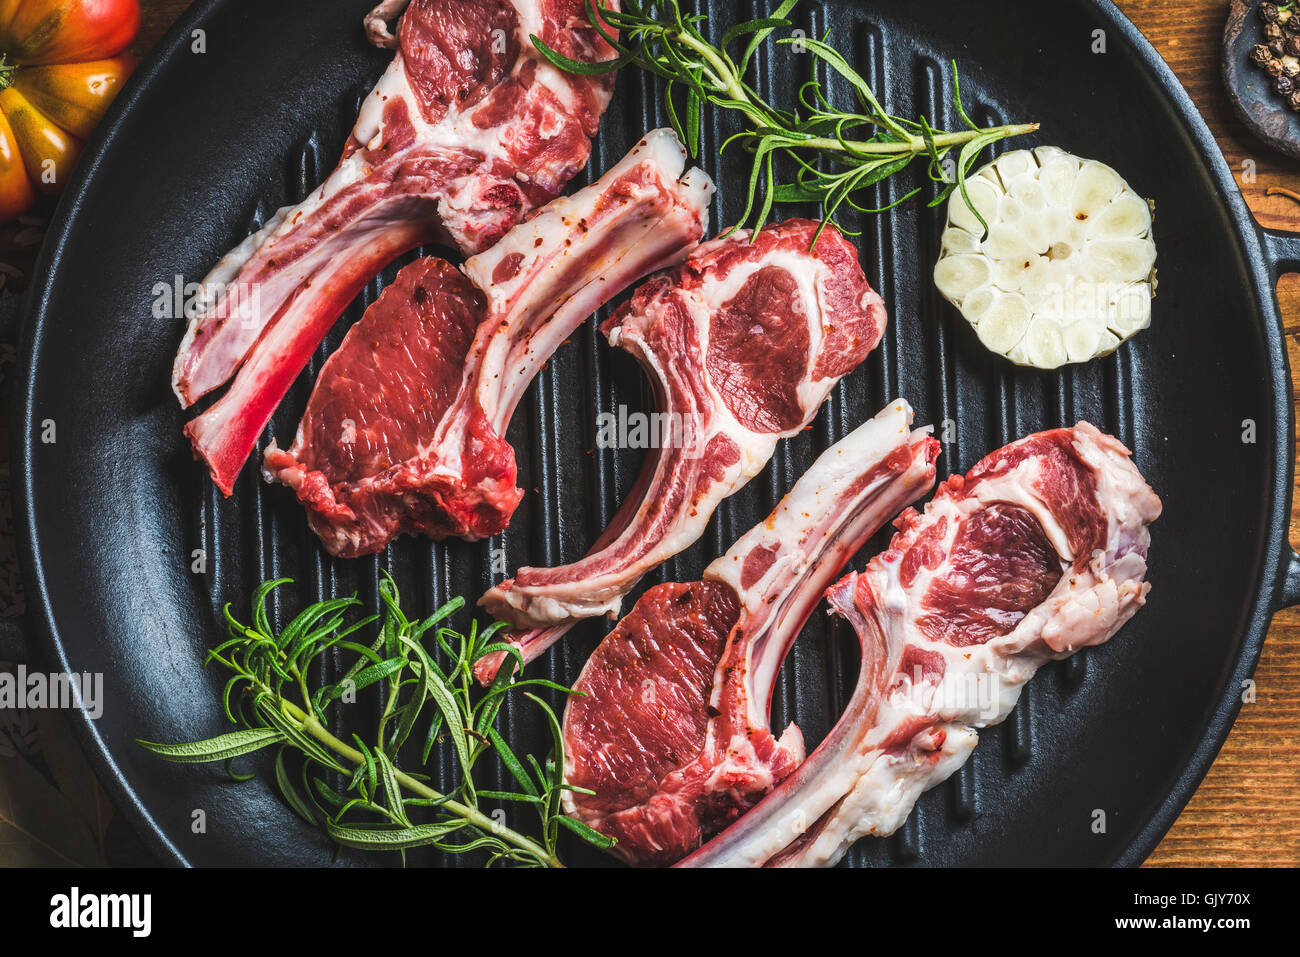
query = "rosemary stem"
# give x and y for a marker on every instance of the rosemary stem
(914, 144)
(726, 82)
(473, 815)
(723, 74)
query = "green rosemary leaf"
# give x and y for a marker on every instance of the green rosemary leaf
(327, 793)
(762, 164)
(235, 775)
(738, 30)
(269, 711)
(485, 635)
(369, 767)
(542, 779)
(363, 679)
(512, 763)
(302, 628)
(509, 796)
(758, 36)
(833, 58)
(407, 715)
(431, 738)
(849, 201)
(231, 685)
(445, 700)
(942, 195)
(260, 621)
(220, 748)
(233, 626)
(365, 804)
(392, 790)
(289, 790)
(595, 17)
(369, 654)
(270, 669)
(690, 73)
(579, 67)
(387, 838)
(659, 38)
(694, 122)
(511, 651)
(965, 160)
(427, 802)
(356, 626)
(796, 193)
(586, 833)
(956, 99)
(484, 841)
(530, 683)
(446, 611)
(554, 779)
(882, 172)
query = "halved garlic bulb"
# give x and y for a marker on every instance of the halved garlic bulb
(1066, 271)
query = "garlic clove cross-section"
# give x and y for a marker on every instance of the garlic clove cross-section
(1066, 269)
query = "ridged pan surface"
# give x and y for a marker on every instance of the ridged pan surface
(209, 144)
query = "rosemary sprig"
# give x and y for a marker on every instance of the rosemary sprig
(862, 147)
(270, 697)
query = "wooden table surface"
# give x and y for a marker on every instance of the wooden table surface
(1247, 811)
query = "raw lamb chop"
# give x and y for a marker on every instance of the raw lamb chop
(1038, 551)
(672, 733)
(404, 431)
(467, 131)
(743, 342)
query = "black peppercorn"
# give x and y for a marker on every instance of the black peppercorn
(1293, 100)
(1292, 24)
(1292, 46)
(1274, 67)
(1277, 47)
(1268, 12)
(1283, 85)
(1259, 54)
(1273, 31)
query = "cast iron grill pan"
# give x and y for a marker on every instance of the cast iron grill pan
(204, 148)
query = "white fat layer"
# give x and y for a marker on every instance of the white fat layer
(981, 683)
(818, 495)
(558, 219)
(885, 788)
(756, 449)
(455, 132)
(547, 244)
(801, 529)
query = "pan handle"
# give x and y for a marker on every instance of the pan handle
(1282, 250)
(13, 631)
(1288, 590)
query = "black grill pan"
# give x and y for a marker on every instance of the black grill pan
(203, 146)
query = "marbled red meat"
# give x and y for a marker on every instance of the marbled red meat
(758, 351)
(385, 390)
(743, 341)
(1036, 552)
(672, 730)
(649, 686)
(467, 131)
(405, 429)
(1001, 565)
